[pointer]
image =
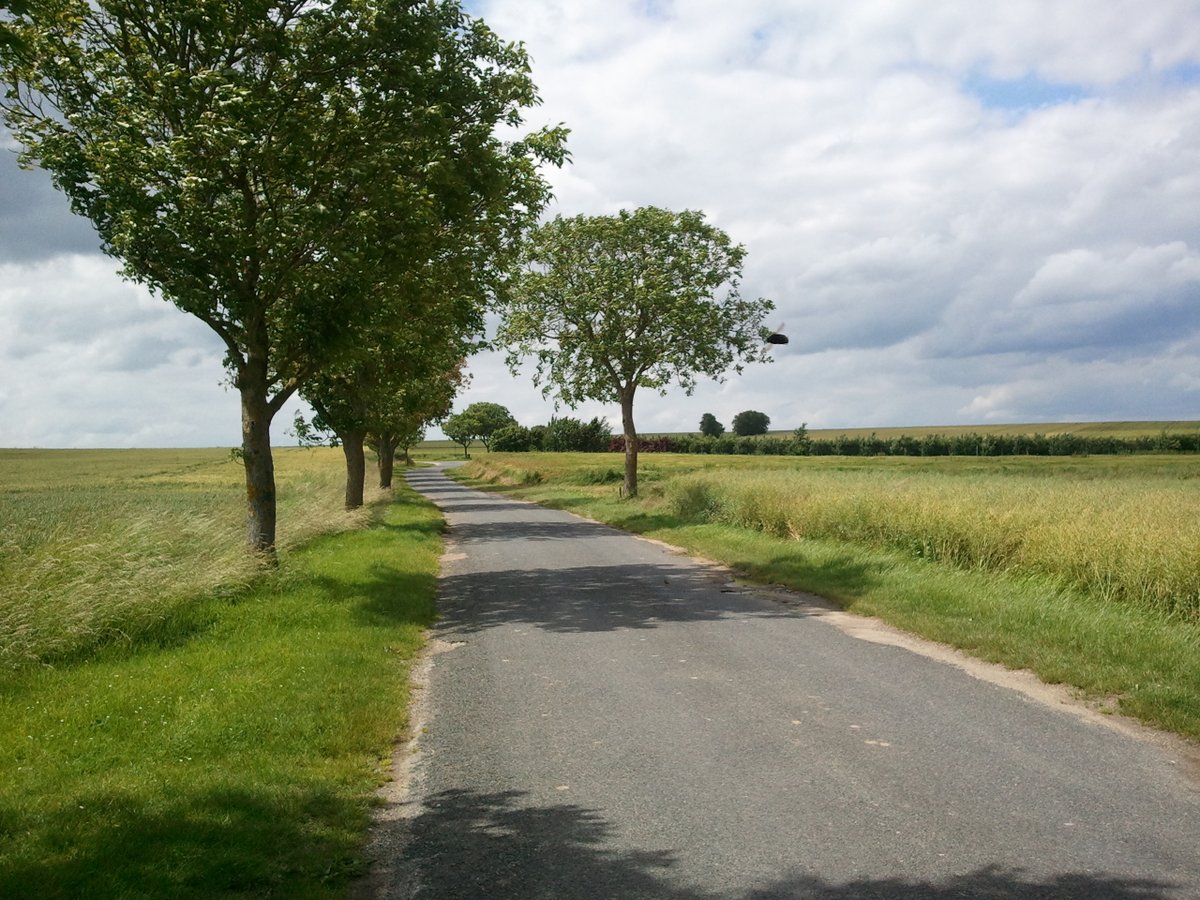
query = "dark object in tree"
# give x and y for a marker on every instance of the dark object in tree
(750, 422)
(777, 338)
(710, 427)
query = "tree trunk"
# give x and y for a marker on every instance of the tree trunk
(631, 442)
(356, 467)
(257, 459)
(386, 450)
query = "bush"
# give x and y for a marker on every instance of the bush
(512, 439)
(567, 435)
(652, 445)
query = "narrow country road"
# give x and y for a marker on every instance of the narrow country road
(604, 718)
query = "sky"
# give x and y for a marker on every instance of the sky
(965, 214)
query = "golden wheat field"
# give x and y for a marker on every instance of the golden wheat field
(1126, 528)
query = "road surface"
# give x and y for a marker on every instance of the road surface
(606, 718)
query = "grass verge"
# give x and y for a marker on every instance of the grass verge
(234, 749)
(1126, 657)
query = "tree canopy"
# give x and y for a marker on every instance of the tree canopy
(460, 430)
(273, 166)
(649, 298)
(750, 422)
(484, 419)
(710, 427)
(401, 374)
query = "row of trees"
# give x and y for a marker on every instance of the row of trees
(748, 422)
(323, 184)
(799, 443)
(495, 427)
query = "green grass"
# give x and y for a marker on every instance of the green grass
(1083, 570)
(97, 546)
(231, 742)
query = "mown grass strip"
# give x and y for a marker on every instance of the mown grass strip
(234, 749)
(1124, 656)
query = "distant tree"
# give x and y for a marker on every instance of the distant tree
(399, 442)
(266, 165)
(608, 304)
(485, 419)
(461, 431)
(751, 422)
(511, 439)
(537, 437)
(710, 427)
(801, 439)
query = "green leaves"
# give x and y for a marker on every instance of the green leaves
(606, 304)
(298, 174)
(649, 298)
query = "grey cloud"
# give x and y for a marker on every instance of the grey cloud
(35, 219)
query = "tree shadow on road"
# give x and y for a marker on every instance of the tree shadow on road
(502, 845)
(593, 598)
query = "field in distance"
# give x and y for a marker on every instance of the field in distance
(1083, 429)
(434, 449)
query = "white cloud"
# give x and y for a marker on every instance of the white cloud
(937, 255)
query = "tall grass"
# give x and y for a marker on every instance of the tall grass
(238, 757)
(101, 546)
(1129, 540)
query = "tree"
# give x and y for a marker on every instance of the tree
(461, 431)
(401, 374)
(267, 165)
(649, 298)
(383, 398)
(8, 38)
(401, 424)
(749, 422)
(485, 419)
(710, 427)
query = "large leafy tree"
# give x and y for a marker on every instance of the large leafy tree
(710, 427)
(750, 422)
(270, 165)
(610, 304)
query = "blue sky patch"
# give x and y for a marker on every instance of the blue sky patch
(1027, 92)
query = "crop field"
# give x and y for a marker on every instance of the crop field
(1084, 569)
(98, 545)
(1126, 528)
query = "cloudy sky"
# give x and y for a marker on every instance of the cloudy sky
(965, 213)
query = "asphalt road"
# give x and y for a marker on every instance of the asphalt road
(608, 719)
